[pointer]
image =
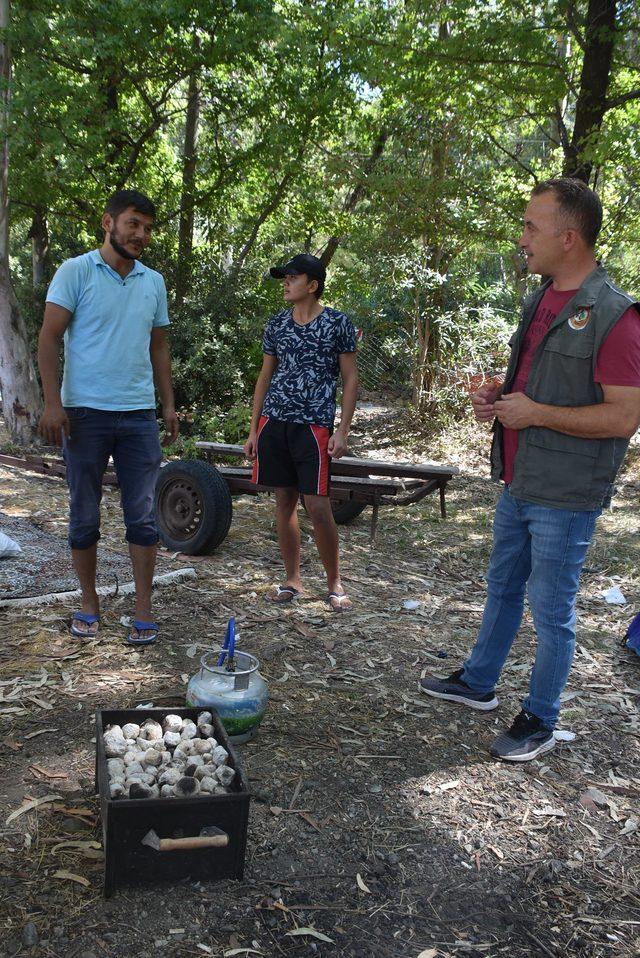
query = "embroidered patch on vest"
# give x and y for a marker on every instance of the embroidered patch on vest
(580, 320)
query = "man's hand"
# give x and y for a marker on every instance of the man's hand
(337, 445)
(54, 424)
(483, 402)
(171, 425)
(250, 446)
(516, 411)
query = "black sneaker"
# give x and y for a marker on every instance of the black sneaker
(454, 689)
(526, 739)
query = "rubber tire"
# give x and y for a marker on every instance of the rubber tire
(344, 510)
(206, 488)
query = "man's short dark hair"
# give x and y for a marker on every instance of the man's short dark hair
(121, 200)
(579, 205)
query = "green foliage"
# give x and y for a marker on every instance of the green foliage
(465, 113)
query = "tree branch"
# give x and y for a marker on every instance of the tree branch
(575, 29)
(623, 98)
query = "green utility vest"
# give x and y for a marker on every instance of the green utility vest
(550, 468)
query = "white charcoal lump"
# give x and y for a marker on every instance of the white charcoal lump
(189, 729)
(220, 755)
(170, 776)
(151, 730)
(176, 758)
(186, 786)
(114, 743)
(171, 739)
(172, 723)
(203, 771)
(194, 761)
(225, 775)
(138, 790)
(151, 757)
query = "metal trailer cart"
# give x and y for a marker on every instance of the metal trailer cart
(194, 496)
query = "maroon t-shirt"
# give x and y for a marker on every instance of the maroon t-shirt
(618, 362)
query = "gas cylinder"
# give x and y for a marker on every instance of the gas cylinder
(239, 696)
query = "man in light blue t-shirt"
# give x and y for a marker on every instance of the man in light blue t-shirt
(112, 313)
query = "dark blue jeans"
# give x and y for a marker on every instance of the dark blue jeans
(133, 440)
(541, 551)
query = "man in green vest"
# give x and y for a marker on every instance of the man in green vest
(562, 423)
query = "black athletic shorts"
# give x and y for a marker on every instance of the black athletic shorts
(292, 454)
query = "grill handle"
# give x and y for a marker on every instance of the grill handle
(207, 839)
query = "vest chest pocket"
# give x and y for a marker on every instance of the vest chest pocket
(564, 375)
(572, 344)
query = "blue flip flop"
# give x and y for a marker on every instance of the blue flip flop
(143, 627)
(88, 618)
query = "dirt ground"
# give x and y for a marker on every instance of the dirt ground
(379, 825)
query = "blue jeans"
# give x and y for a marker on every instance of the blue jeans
(540, 550)
(133, 440)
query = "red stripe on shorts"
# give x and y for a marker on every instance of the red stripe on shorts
(321, 436)
(256, 462)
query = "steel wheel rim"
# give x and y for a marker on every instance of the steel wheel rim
(180, 508)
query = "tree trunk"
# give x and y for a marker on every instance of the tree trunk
(39, 236)
(428, 341)
(108, 81)
(591, 106)
(187, 199)
(18, 384)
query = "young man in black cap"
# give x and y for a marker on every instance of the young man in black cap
(291, 439)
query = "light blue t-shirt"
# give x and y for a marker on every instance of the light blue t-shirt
(107, 364)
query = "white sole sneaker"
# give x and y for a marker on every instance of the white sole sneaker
(544, 747)
(461, 700)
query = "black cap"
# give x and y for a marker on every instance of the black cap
(311, 266)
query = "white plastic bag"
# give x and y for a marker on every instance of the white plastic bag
(8, 548)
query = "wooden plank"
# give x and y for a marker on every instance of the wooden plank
(349, 465)
(50, 467)
(388, 486)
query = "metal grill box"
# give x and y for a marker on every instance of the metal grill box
(176, 821)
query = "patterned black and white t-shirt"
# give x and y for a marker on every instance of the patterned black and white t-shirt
(303, 387)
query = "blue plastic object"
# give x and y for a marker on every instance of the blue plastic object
(229, 644)
(633, 635)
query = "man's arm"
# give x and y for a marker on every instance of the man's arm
(54, 424)
(617, 416)
(161, 364)
(269, 364)
(348, 367)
